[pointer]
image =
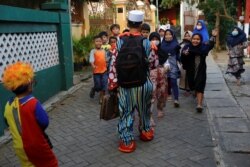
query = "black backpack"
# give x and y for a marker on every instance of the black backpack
(131, 63)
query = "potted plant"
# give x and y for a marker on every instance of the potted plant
(79, 52)
(87, 42)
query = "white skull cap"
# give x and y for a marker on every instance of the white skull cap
(136, 16)
(241, 18)
(162, 27)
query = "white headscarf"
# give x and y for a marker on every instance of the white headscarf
(162, 27)
(189, 32)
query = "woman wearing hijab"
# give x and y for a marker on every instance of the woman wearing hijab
(183, 84)
(202, 29)
(186, 39)
(195, 53)
(236, 43)
(170, 47)
(157, 76)
(161, 31)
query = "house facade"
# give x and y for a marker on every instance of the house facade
(182, 16)
(91, 15)
(40, 35)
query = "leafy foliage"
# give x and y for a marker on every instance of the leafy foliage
(227, 12)
(33, 4)
(83, 46)
(170, 3)
(78, 51)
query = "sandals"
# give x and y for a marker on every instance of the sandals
(199, 109)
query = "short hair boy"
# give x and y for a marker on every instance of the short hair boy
(99, 65)
(115, 29)
(145, 30)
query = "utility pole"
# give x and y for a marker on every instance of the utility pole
(247, 17)
(157, 12)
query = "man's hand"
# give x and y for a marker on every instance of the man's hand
(186, 52)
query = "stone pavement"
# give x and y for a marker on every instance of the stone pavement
(80, 138)
(217, 137)
(229, 110)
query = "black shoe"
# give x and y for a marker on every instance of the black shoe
(92, 93)
(176, 104)
(199, 109)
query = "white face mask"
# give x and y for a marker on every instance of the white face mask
(235, 33)
(156, 42)
(199, 27)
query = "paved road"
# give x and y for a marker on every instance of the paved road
(182, 137)
(232, 120)
(241, 93)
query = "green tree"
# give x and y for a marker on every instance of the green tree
(221, 15)
(171, 3)
(34, 4)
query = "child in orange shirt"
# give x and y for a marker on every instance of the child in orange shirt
(99, 65)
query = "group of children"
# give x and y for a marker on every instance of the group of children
(167, 59)
(100, 58)
(165, 63)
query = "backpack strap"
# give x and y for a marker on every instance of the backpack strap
(120, 43)
(146, 45)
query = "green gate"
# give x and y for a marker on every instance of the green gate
(42, 38)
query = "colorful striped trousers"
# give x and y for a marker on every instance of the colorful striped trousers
(131, 99)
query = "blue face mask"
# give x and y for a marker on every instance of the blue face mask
(234, 33)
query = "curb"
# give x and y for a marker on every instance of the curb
(218, 153)
(50, 103)
(228, 122)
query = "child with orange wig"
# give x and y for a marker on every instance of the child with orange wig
(26, 118)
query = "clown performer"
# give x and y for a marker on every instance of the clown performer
(136, 97)
(26, 118)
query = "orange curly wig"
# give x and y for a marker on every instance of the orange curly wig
(16, 75)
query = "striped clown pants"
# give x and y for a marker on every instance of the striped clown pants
(131, 99)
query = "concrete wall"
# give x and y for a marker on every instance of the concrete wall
(41, 38)
(77, 30)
